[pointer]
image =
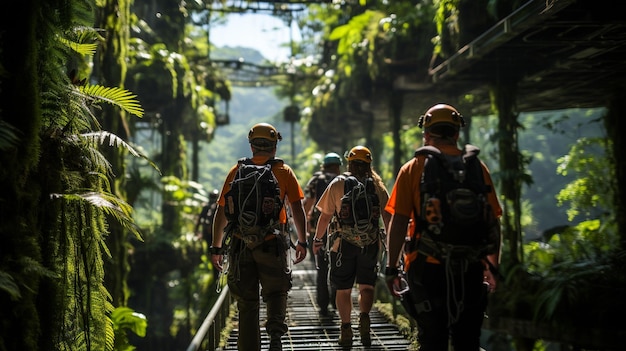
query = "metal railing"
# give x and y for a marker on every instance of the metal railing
(209, 334)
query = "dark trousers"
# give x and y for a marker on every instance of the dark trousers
(325, 293)
(457, 300)
(263, 267)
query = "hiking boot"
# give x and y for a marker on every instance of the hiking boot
(275, 343)
(324, 312)
(364, 329)
(345, 339)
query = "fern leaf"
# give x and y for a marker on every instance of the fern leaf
(8, 135)
(101, 136)
(109, 204)
(7, 284)
(122, 98)
(83, 49)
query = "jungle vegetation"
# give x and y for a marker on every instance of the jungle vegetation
(108, 107)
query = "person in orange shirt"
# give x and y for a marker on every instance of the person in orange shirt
(268, 264)
(448, 293)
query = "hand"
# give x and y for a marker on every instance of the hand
(393, 284)
(490, 280)
(217, 262)
(317, 246)
(300, 254)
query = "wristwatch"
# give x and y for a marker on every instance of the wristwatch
(216, 250)
(303, 244)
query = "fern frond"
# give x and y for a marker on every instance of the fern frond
(8, 135)
(83, 49)
(109, 204)
(122, 98)
(100, 137)
(109, 336)
(8, 285)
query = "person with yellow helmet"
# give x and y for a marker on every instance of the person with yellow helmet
(315, 186)
(446, 292)
(266, 265)
(350, 263)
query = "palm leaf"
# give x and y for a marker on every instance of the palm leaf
(119, 97)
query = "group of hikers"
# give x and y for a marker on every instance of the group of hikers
(438, 231)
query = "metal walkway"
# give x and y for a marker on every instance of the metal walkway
(309, 331)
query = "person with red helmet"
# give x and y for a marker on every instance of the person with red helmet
(266, 265)
(447, 292)
(349, 262)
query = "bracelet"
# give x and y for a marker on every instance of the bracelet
(216, 250)
(391, 271)
(303, 244)
(318, 240)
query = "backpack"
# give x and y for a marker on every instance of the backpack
(359, 216)
(454, 220)
(253, 203)
(321, 183)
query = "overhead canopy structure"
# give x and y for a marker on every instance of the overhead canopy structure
(562, 54)
(265, 6)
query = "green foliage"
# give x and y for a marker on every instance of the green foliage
(575, 271)
(99, 137)
(591, 193)
(65, 260)
(8, 135)
(125, 319)
(8, 285)
(121, 98)
(109, 204)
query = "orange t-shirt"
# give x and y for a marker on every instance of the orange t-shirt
(405, 195)
(287, 182)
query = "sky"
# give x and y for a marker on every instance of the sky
(267, 34)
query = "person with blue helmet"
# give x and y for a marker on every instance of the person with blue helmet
(330, 168)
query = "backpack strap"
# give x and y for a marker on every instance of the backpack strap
(473, 164)
(470, 151)
(349, 183)
(276, 161)
(429, 180)
(427, 150)
(271, 161)
(455, 165)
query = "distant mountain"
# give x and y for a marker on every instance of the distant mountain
(236, 52)
(248, 106)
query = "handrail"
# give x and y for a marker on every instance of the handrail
(213, 324)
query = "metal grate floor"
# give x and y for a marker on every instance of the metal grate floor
(309, 331)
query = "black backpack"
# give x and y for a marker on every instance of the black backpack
(322, 179)
(359, 217)
(455, 211)
(253, 203)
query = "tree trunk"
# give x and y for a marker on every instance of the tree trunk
(615, 127)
